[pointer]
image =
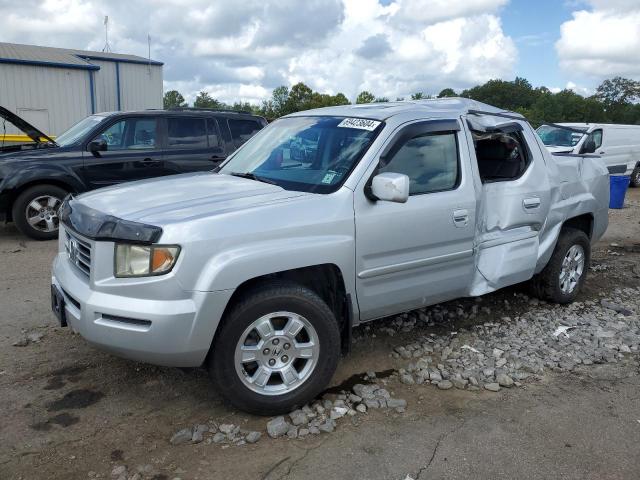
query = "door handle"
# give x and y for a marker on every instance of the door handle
(149, 162)
(531, 203)
(461, 217)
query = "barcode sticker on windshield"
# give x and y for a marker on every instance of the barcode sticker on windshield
(329, 176)
(359, 123)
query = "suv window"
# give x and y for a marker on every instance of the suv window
(185, 132)
(501, 156)
(242, 130)
(130, 133)
(430, 161)
(213, 133)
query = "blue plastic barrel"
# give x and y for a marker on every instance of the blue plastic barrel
(618, 188)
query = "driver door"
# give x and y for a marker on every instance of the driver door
(132, 153)
(420, 252)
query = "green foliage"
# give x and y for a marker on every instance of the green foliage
(616, 101)
(365, 97)
(204, 100)
(447, 92)
(173, 99)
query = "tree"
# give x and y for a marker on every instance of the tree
(365, 97)
(340, 99)
(173, 99)
(504, 94)
(381, 100)
(618, 91)
(300, 98)
(204, 100)
(447, 92)
(418, 96)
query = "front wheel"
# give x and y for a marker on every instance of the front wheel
(35, 211)
(635, 177)
(277, 348)
(561, 280)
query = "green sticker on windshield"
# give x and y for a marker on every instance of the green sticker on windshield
(329, 176)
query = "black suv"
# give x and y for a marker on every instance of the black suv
(109, 148)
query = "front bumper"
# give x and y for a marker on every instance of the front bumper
(174, 333)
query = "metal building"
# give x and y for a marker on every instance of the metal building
(53, 88)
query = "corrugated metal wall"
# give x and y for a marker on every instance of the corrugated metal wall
(140, 86)
(55, 98)
(105, 85)
(52, 99)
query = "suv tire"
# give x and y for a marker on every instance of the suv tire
(562, 278)
(35, 211)
(635, 176)
(311, 347)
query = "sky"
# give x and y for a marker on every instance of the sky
(242, 50)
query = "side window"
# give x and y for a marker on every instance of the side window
(185, 132)
(596, 135)
(242, 130)
(430, 161)
(213, 135)
(501, 156)
(113, 136)
(130, 133)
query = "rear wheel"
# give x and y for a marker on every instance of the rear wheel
(277, 348)
(560, 281)
(635, 177)
(35, 211)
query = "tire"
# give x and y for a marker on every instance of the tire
(635, 177)
(548, 285)
(48, 198)
(278, 305)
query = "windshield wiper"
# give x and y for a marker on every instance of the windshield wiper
(253, 176)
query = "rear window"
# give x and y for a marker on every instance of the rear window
(243, 130)
(186, 132)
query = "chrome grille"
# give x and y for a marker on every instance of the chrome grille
(79, 252)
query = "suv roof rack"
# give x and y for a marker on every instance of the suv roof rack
(222, 110)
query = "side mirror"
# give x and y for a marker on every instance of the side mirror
(589, 146)
(97, 146)
(390, 187)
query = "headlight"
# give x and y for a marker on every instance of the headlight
(143, 260)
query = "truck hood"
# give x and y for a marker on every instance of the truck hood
(180, 198)
(32, 132)
(555, 149)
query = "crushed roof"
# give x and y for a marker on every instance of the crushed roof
(434, 107)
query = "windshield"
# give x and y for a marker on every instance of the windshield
(309, 154)
(79, 130)
(559, 137)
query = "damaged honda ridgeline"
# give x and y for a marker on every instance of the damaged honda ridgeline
(325, 219)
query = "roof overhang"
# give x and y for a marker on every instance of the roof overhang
(41, 63)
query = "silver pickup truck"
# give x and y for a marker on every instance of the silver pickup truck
(325, 219)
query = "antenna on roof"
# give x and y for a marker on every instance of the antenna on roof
(106, 48)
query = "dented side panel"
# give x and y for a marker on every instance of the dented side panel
(519, 221)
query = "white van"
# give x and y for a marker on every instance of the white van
(617, 145)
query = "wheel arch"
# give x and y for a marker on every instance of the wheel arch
(582, 222)
(13, 193)
(326, 280)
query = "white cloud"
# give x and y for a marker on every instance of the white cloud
(604, 41)
(242, 50)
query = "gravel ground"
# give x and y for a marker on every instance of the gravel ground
(498, 387)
